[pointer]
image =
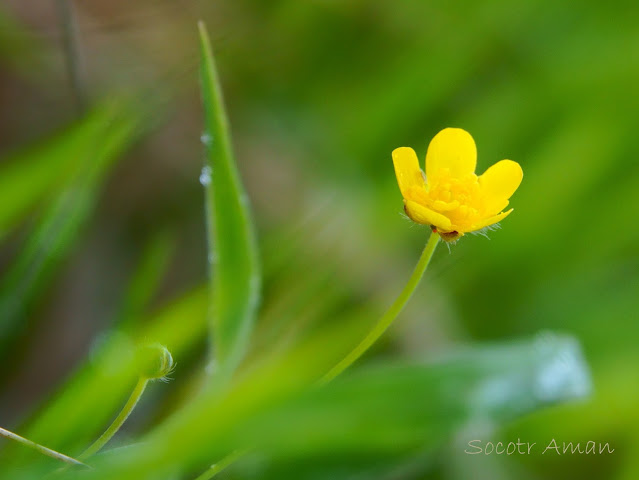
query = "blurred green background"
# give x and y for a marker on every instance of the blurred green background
(319, 93)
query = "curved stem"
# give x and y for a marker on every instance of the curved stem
(221, 465)
(119, 420)
(376, 332)
(42, 449)
(390, 315)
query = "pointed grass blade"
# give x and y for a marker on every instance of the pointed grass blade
(87, 153)
(233, 259)
(379, 411)
(33, 176)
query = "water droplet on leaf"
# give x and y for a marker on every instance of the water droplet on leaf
(205, 176)
(206, 139)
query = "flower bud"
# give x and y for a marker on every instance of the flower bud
(154, 361)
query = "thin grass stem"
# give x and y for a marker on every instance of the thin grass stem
(221, 465)
(40, 448)
(72, 53)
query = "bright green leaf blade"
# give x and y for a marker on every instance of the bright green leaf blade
(146, 279)
(36, 173)
(85, 155)
(383, 410)
(233, 259)
(371, 423)
(200, 431)
(84, 405)
(396, 408)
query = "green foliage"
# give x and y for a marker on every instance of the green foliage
(37, 173)
(235, 281)
(380, 411)
(320, 93)
(65, 174)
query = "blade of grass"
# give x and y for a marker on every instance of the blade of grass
(72, 52)
(40, 448)
(86, 401)
(197, 432)
(379, 410)
(393, 408)
(35, 174)
(232, 249)
(58, 229)
(146, 279)
(386, 411)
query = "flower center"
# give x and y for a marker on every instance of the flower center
(457, 198)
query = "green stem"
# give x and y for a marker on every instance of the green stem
(44, 450)
(376, 332)
(390, 315)
(119, 420)
(221, 465)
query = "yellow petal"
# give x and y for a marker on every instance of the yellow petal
(420, 214)
(489, 221)
(452, 149)
(407, 169)
(498, 183)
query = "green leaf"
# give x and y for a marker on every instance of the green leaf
(87, 401)
(384, 410)
(35, 174)
(199, 432)
(395, 408)
(146, 279)
(75, 164)
(233, 258)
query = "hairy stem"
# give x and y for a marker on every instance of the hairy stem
(376, 332)
(394, 310)
(119, 420)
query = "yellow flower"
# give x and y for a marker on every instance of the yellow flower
(451, 198)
